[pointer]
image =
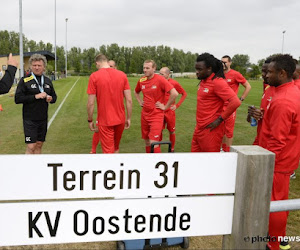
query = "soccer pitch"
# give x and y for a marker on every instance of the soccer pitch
(69, 133)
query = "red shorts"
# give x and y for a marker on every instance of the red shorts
(110, 137)
(152, 126)
(278, 220)
(229, 125)
(170, 120)
(205, 140)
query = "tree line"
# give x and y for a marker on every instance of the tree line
(128, 59)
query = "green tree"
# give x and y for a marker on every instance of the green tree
(74, 59)
(178, 61)
(240, 63)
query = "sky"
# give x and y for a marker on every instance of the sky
(220, 27)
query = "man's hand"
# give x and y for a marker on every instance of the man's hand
(92, 126)
(215, 123)
(42, 95)
(12, 61)
(127, 124)
(256, 113)
(159, 105)
(48, 98)
(173, 107)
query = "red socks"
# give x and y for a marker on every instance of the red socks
(95, 142)
(172, 139)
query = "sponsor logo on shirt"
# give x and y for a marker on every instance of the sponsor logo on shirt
(205, 90)
(143, 86)
(228, 80)
(156, 136)
(153, 87)
(27, 79)
(33, 86)
(143, 79)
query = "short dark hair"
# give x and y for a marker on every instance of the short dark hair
(269, 59)
(214, 63)
(228, 57)
(286, 63)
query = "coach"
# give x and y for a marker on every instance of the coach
(35, 92)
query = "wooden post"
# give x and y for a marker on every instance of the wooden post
(254, 179)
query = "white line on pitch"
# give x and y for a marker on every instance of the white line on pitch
(56, 112)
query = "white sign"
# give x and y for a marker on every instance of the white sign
(110, 220)
(31, 177)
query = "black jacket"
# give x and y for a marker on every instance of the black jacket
(34, 109)
(8, 79)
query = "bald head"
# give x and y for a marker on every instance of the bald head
(165, 72)
(112, 64)
(296, 74)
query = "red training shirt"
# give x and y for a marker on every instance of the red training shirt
(280, 132)
(179, 89)
(108, 85)
(265, 100)
(211, 95)
(234, 78)
(153, 91)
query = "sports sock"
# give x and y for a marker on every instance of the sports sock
(95, 142)
(172, 139)
(157, 150)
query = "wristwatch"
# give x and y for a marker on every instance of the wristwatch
(90, 121)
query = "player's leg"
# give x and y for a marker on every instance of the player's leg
(30, 133)
(145, 129)
(229, 128)
(208, 141)
(118, 131)
(278, 220)
(95, 140)
(38, 147)
(171, 120)
(156, 127)
(41, 135)
(106, 136)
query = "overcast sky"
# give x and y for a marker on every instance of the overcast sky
(253, 27)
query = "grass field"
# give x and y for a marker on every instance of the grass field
(69, 134)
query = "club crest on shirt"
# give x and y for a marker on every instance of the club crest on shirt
(228, 80)
(153, 87)
(205, 90)
(46, 86)
(143, 79)
(143, 86)
(33, 86)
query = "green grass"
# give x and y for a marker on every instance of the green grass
(69, 134)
